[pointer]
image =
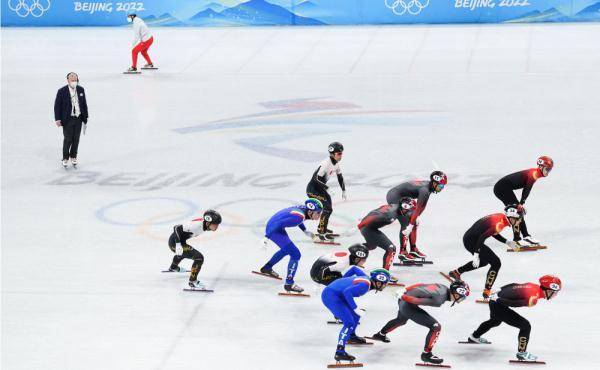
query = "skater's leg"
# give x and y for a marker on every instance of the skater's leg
(189, 252)
(295, 255)
(376, 238)
(489, 324)
(134, 54)
(394, 323)
(280, 239)
(67, 138)
(76, 122)
(470, 243)
(514, 319)
(418, 315)
(487, 256)
(342, 311)
(144, 50)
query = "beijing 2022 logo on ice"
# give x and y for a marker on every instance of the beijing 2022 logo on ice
(24, 8)
(401, 7)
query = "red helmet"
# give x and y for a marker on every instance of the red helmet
(545, 161)
(551, 282)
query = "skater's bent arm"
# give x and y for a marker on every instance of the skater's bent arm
(358, 288)
(341, 181)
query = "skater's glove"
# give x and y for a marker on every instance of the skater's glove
(400, 292)
(515, 246)
(408, 230)
(476, 260)
(311, 235)
(178, 249)
(344, 195)
(264, 242)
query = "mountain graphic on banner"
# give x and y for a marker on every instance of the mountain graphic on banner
(255, 12)
(165, 19)
(591, 13)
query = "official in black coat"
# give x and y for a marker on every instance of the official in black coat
(70, 112)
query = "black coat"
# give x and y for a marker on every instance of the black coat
(63, 107)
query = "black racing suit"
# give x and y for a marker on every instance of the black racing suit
(505, 187)
(376, 219)
(417, 295)
(512, 295)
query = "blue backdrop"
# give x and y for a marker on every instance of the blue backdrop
(293, 12)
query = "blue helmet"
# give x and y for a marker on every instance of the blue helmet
(314, 205)
(380, 278)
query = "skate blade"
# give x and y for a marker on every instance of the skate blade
(339, 364)
(182, 271)
(360, 344)
(293, 294)
(447, 277)
(395, 284)
(150, 68)
(432, 365)
(266, 275)
(327, 243)
(132, 73)
(335, 322)
(527, 362)
(198, 290)
(467, 342)
(484, 301)
(529, 248)
(377, 340)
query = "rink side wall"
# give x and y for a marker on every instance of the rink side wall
(201, 13)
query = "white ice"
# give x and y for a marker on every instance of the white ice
(81, 281)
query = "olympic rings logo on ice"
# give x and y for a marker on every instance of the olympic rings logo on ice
(24, 8)
(401, 7)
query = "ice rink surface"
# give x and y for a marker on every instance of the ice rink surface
(237, 119)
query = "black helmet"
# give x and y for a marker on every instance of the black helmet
(212, 217)
(514, 211)
(438, 181)
(460, 290)
(335, 147)
(358, 252)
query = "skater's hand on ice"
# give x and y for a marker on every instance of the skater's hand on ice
(476, 260)
(58, 123)
(344, 195)
(178, 249)
(513, 245)
(312, 236)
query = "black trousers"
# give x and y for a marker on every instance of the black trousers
(507, 196)
(188, 252)
(408, 311)
(500, 313)
(71, 133)
(376, 238)
(486, 257)
(325, 198)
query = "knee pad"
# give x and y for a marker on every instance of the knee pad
(436, 327)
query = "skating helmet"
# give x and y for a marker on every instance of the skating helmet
(314, 205)
(380, 278)
(460, 291)
(357, 253)
(438, 181)
(545, 164)
(551, 285)
(514, 211)
(212, 217)
(407, 206)
(335, 147)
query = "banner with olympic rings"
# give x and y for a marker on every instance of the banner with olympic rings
(198, 13)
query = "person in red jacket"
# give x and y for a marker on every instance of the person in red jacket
(517, 295)
(474, 241)
(505, 187)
